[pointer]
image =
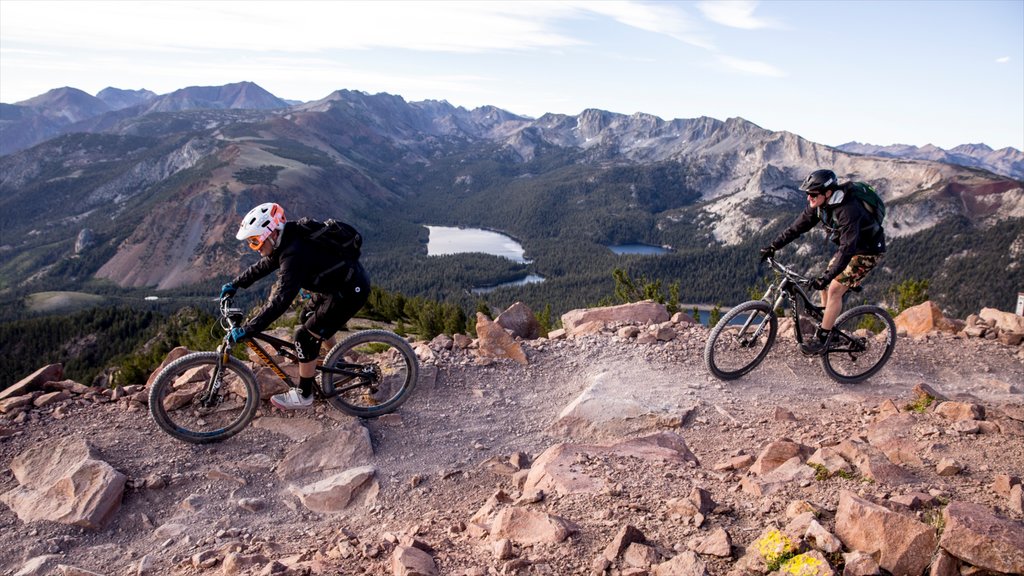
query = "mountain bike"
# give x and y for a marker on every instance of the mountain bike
(859, 345)
(206, 397)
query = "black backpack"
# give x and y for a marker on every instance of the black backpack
(341, 237)
(870, 199)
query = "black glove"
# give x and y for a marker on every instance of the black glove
(767, 252)
(227, 290)
(819, 283)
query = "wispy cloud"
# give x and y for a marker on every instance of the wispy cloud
(1003, 59)
(735, 14)
(301, 27)
(660, 18)
(751, 66)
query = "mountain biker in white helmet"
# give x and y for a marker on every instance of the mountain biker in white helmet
(339, 287)
(849, 224)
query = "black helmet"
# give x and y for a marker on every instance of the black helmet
(820, 181)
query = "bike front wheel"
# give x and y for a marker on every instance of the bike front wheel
(380, 372)
(740, 340)
(195, 401)
(861, 342)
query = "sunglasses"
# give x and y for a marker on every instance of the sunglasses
(256, 242)
(813, 194)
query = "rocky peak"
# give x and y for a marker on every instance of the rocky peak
(241, 95)
(67, 104)
(119, 99)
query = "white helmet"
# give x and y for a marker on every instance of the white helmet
(260, 223)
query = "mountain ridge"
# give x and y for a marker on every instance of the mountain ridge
(388, 165)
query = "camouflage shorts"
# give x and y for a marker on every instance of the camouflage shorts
(857, 269)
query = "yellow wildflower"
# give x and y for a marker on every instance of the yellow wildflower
(805, 565)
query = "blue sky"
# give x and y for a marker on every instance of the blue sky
(880, 72)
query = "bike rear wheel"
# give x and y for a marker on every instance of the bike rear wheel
(740, 340)
(387, 367)
(861, 342)
(192, 401)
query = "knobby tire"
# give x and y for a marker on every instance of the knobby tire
(392, 370)
(729, 352)
(176, 394)
(863, 338)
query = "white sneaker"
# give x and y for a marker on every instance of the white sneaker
(291, 400)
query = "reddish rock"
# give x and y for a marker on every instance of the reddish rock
(922, 319)
(901, 543)
(873, 464)
(894, 436)
(409, 561)
(975, 535)
(685, 564)
(33, 381)
(526, 526)
(65, 482)
(646, 312)
(495, 342)
(627, 535)
(777, 453)
(960, 411)
(520, 321)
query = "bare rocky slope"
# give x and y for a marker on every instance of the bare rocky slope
(460, 485)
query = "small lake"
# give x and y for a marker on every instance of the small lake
(530, 279)
(447, 240)
(638, 249)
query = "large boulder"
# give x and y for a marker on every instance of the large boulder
(901, 543)
(494, 342)
(527, 526)
(520, 321)
(646, 312)
(34, 381)
(328, 452)
(339, 491)
(558, 469)
(65, 482)
(975, 535)
(1005, 321)
(777, 453)
(922, 319)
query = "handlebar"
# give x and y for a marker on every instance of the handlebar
(232, 316)
(787, 271)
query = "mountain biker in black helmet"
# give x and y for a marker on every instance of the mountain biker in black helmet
(847, 223)
(301, 264)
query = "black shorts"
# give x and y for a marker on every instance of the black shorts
(325, 314)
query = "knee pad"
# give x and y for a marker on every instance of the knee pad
(307, 346)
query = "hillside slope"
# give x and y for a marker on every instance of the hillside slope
(471, 425)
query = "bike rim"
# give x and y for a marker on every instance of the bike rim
(861, 344)
(742, 343)
(387, 373)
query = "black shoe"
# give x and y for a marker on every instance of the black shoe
(813, 348)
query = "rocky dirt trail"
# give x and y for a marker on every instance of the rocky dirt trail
(463, 452)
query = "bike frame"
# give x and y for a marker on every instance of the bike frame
(787, 292)
(283, 348)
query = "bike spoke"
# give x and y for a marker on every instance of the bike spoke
(387, 370)
(866, 340)
(740, 340)
(191, 402)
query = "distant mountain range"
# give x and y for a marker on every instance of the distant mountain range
(60, 110)
(1005, 161)
(31, 121)
(157, 185)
